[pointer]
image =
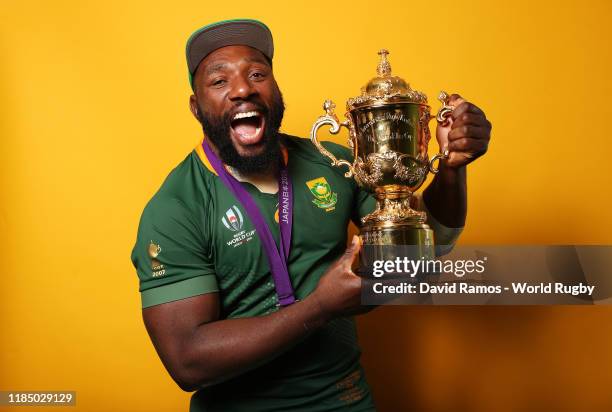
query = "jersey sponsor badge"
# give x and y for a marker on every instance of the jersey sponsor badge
(324, 197)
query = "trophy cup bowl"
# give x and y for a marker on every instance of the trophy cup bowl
(389, 135)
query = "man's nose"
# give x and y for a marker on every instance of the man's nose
(242, 89)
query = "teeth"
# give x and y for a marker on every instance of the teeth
(245, 115)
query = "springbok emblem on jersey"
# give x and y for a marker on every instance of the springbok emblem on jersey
(233, 219)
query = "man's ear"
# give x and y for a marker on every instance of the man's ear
(193, 106)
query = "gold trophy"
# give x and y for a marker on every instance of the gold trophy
(389, 133)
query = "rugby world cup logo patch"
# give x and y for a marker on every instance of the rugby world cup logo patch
(233, 219)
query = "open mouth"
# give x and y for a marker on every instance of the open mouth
(247, 127)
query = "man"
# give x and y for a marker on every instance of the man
(246, 285)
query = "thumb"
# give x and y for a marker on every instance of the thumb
(352, 251)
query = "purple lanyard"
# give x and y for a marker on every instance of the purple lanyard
(277, 260)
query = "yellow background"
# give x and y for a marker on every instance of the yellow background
(94, 114)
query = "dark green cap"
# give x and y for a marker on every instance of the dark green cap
(245, 32)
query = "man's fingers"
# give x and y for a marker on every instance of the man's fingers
(469, 131)
(466, 134)
(474, 119)
(465, 107)
(465, 144)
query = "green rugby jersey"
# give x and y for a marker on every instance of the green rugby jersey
(195, 237)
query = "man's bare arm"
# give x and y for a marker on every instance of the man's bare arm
(198, 349)
(466, 136)
(446, 196)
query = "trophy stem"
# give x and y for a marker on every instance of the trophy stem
(394, 242)
(393, 208)
(394, 230)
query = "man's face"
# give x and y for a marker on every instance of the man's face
(240, 107)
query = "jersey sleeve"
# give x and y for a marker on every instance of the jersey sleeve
(170, 256)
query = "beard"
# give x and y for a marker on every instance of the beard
(218, 128)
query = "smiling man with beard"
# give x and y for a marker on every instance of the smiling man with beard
(246, 282)
(254, 124)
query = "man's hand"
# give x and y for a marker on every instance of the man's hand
(465, 134)
(339, 290)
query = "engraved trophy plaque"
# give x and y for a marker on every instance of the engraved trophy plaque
(389, 135)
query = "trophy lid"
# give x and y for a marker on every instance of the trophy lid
(386, 88)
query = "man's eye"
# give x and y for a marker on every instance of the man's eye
(258, 75)
(218, 82)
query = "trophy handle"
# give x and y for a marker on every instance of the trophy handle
(445, 110)
(442, 118)
(331, 119)
(439, 156)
